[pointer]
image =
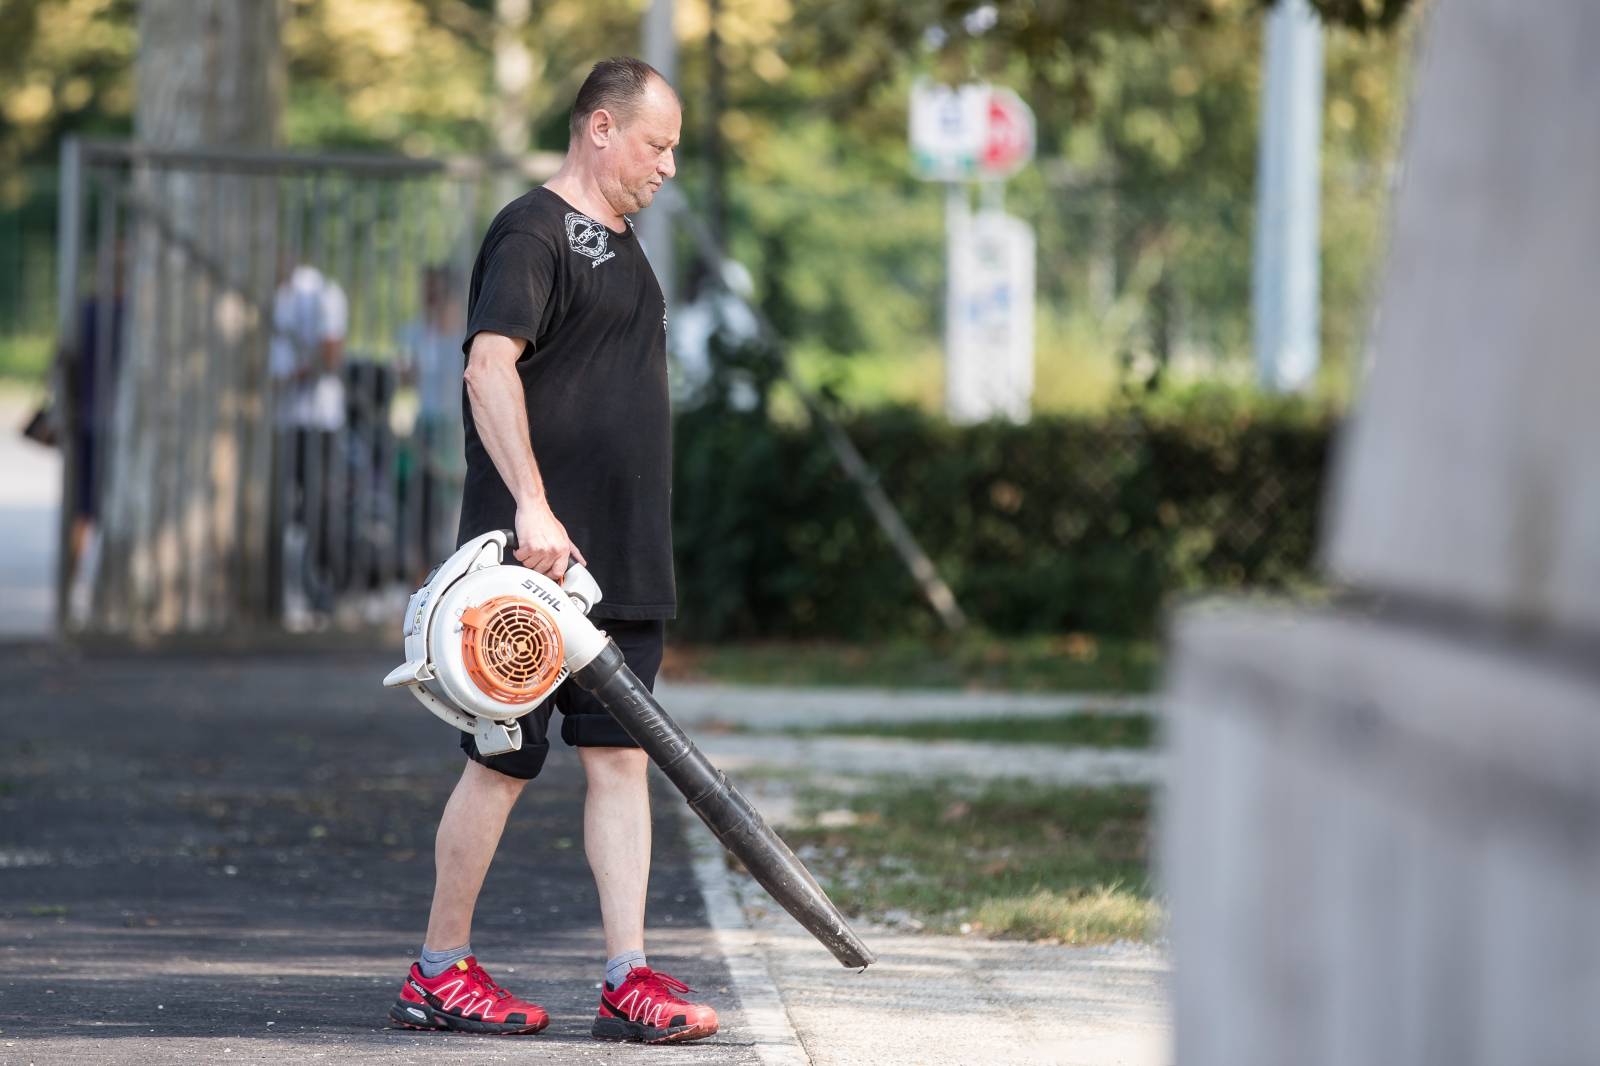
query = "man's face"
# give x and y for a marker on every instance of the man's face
(639, 152)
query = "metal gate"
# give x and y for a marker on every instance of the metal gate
(260, 392)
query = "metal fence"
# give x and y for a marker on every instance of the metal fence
(259, 388)
(260, 395)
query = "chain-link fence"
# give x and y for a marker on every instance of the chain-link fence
(260, 384)
(1069, 523)
(1134, 281)
(261, 403)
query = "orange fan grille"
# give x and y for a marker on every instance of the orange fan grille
(512, 648)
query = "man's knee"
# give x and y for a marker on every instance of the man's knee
(605, 764)
(477, 775)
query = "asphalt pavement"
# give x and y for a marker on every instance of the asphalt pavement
(228, 859)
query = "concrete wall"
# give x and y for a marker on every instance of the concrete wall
(1382, 836)
(1472, 475)
(1382, 845)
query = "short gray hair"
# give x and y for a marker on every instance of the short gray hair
(615, 85)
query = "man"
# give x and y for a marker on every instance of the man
(568, 441)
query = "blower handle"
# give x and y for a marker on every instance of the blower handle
(577, 582)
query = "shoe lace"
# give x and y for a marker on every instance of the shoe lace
(658, 981)
(480, 975)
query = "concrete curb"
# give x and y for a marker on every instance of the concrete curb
(772, 1034)
(778, 707)
(861, 756)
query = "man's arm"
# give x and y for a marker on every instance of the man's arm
(495, 392)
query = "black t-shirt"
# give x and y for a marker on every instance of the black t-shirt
(594, 378)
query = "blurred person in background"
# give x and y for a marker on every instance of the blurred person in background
(309, 319)
(93, 384)
(432, 362)
(90, 379)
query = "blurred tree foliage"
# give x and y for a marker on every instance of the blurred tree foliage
(411, 75)
(1059, 42)
(416, 74)
(1142, 194)
(66, 66)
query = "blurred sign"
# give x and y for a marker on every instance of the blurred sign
(989, 318)
(969, 132)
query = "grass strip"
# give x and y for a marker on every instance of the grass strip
(1072, 662)
(25, 359)
(1006, 858)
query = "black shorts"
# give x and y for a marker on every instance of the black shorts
(585, 723)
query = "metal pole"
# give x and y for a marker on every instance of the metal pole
(655, 223)
(716, 209)
(513, 78)
(69, 223)
(1288, 200)
(957, 214)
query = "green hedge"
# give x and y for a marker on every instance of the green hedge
(1063, 524)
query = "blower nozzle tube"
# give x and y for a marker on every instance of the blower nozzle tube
(729, 815)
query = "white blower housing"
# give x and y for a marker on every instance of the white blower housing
(488, 640)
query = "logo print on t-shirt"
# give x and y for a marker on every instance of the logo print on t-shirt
(587, 237)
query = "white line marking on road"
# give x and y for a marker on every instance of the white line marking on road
(772, 1034)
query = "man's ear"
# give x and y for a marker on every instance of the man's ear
(601, 126)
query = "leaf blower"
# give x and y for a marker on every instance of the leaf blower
(487, 640)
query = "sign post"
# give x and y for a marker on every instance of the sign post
(977, 133)
(989, 319)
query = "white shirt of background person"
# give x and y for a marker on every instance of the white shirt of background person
(432, 356)
(308, 311)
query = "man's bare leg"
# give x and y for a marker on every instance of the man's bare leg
(469, 833)
(616, 839)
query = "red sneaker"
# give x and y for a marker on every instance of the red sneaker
(647, 1008)
(465, 999)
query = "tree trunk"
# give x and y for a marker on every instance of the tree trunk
(516, 69)
(186, 506)
(210, 72)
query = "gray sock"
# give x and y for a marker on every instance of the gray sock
(434, 963)
(617, 968)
